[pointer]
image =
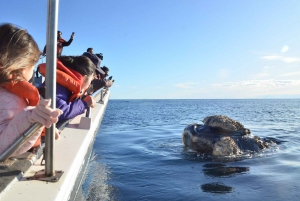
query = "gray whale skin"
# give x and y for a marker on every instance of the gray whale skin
(221, 136)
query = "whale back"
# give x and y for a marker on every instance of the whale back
(225, 125)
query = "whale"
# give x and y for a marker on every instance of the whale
(221, 136)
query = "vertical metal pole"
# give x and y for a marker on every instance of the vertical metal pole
(101, 96)
(52, 16)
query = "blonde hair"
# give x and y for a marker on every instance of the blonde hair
(18, 50)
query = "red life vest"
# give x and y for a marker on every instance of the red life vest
(66, 77)
(69, 79)
(25, 90)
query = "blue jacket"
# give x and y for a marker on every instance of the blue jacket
(70, 109)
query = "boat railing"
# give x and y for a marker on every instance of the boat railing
(33, 129)
(102, 94)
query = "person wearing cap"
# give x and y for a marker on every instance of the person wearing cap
(61, 43)
(101, 81)
(90, 54)
(101, 73)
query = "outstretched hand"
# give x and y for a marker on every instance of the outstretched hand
(90, 101)
(43, 114)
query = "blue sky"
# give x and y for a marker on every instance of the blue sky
(180, 49)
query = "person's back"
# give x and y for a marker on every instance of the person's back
(20, 106)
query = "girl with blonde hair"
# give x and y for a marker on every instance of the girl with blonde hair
(20, 104)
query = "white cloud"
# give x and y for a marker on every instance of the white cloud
(280, 58)
(272, 57)
(254, 89)
(260, 83)
(244, 89)
(285, 48)
(290, 60)
(266, 72)
(291, 74)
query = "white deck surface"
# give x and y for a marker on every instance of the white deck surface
(69, 155)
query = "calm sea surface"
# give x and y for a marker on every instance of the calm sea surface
(138, 153)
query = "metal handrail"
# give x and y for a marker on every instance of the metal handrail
(88, 111)
(20, 141)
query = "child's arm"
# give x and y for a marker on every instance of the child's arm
(72, 109)
(15, 121)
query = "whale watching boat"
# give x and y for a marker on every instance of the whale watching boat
(54, 171)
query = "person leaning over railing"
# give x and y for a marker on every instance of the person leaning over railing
(74, 75)
(20, 106)
(97, 61)
(100, 80)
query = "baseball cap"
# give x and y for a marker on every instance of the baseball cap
(95, 60)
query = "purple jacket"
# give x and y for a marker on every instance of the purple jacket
(70, 109)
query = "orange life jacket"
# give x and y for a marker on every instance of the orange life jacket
(69, 79)
(66, 77)
(25, 90)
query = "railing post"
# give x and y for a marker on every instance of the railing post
(101, 97)
(51, 82)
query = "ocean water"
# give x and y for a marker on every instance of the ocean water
(138, 153)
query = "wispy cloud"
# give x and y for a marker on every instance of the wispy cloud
(187, 85)
(266, 72)
(280, 58)
(260, 83)
(243, 89)
(255, 89)
(291, 74)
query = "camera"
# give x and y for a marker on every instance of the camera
(100, 56)
(110, 77)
